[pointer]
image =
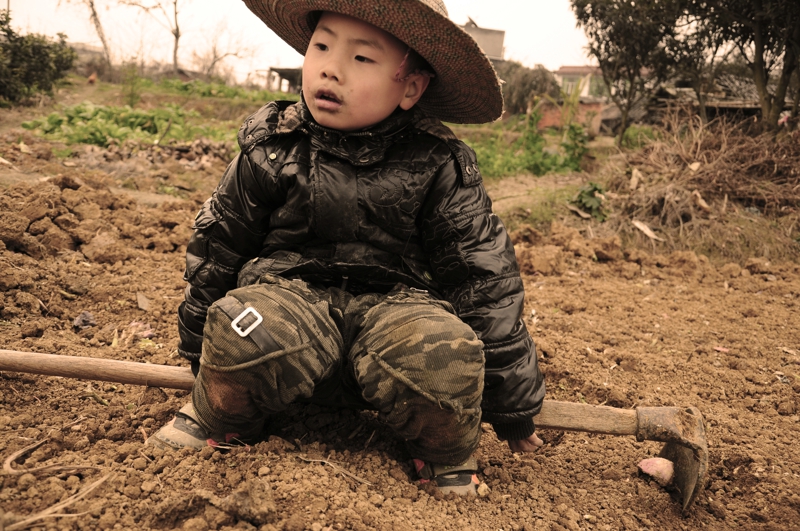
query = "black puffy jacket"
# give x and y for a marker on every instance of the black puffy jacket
(402, 201)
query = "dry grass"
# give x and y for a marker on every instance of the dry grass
(715, 189)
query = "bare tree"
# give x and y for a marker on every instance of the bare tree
(222, 45)
(98, 27)
(165, 12)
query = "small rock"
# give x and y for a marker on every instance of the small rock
(483, 490)
(376, 500)
(149, 486)
(84, 320)
(263, 471)
(26, 481)
(616, 398)
(32, 329)
(132, 491)
(195, 524)
(295, 523)
(612, 474)
(140, 463)
(251, 501)
(717, 509)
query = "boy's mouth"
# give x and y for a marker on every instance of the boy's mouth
(327, 100)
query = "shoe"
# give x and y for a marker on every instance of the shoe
(184, 431)
(459, 479)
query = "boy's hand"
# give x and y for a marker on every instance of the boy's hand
(531, 444)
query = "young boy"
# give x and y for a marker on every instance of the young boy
(371, 271)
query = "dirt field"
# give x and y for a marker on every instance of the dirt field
(624, 329)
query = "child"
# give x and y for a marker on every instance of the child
(371, 271)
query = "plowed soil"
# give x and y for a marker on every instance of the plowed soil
(622, 328)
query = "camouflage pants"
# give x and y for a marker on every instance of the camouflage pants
(405, 354)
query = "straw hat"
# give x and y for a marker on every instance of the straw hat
(466, 88)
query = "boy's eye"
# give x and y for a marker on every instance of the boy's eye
(321, 47)
(362, 59)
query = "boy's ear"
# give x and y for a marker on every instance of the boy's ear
(415, 88)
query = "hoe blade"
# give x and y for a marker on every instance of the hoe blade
(684, 432)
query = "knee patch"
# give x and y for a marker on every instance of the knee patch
(276, 342)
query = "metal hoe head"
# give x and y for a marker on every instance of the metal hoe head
(684, 432)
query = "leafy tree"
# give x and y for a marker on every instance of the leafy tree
(30, 63)
(767, 34)
(629, 41)
(698, 50)
(522, 85)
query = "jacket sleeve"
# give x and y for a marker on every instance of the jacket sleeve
(473, 258)
(229, 230)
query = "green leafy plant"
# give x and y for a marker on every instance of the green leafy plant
(132, 84)
(590, 199)
(528, 153)
(637, 136)
(30, 63)
(100, 125)
(203, 89)
(575, 146)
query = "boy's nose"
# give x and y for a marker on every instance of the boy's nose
(330, 73)
(331, 70)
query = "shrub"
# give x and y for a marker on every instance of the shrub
(529, 153)
(523, 85)
(30, 63)
(590, 198)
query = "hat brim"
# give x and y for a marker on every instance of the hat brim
(466, 88)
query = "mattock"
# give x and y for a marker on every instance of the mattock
(681, 429)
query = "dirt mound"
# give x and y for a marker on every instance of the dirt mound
(63, 215)
(86, 272)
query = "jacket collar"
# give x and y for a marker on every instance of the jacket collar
(360, 148)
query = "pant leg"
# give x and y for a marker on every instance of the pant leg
(422, 368)
(294, 348)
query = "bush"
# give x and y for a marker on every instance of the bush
(637, 136)
(102, 126)
(523, 85)
(529, 153)
(30, 63)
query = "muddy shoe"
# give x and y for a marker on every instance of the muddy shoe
(183, 431)
(459, 479)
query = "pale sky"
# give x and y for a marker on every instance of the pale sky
(537, 31)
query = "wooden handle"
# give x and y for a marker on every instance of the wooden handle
(126, 372)
(554, 415)
(571, 416)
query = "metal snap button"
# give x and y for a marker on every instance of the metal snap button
(273, 156)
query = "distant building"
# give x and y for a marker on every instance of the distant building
(490, 40)
(285, 79)
(590, 79)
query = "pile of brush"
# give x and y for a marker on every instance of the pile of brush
(697, 176)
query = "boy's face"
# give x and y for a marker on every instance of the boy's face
(349, 74)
